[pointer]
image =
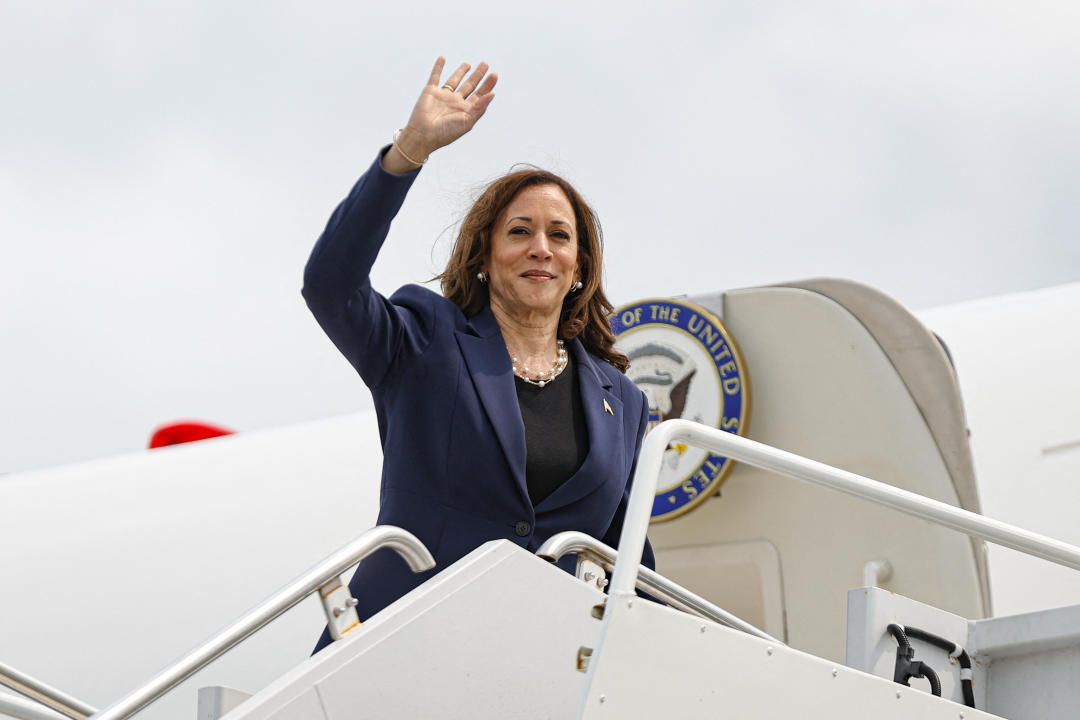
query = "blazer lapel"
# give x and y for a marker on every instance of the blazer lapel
(604, 421)
(489, 366)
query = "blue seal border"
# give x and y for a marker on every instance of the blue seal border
(706, 329)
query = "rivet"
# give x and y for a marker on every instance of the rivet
(629, 603)
(897, 694)
(768, 651)
(961, 715)
(835, 672)
(702, 628)
(602, 698)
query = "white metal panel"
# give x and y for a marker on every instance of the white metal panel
(1039, 686)
(1034, 662)
(1024, 666)
(495, 635)
(214, 702)
(872, 649)
(304, 706)
(655, 662)
(1027, 632)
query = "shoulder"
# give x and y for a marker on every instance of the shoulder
(425, 301)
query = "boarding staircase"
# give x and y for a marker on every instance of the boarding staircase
(504, 633)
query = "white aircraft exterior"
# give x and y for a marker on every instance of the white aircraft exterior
(113, 568)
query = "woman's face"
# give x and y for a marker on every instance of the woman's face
(534, 248)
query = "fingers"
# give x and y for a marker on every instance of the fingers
(487, 85)
(454, 80)
(436, 72)
(480, 105)
(469, 85)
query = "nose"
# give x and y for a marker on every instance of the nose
(540, 249)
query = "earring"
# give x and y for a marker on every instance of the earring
(481, 276)
(577, 286)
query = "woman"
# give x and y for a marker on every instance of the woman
(503, 409)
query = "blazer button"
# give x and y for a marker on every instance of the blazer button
(522, 528)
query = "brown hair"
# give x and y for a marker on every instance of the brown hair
(585, 313)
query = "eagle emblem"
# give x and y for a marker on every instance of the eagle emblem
(688, 366)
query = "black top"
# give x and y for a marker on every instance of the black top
(556, 439)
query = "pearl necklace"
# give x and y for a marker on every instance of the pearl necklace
(542, 377)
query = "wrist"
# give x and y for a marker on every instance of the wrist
(413, 144)
(406, 154)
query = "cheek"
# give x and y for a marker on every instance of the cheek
(577, 260)
(498, 260)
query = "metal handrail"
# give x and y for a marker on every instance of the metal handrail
(639, 509)
(383, 536)
(44, 694)
(648, 580)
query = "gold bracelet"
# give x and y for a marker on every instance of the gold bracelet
(394, 142)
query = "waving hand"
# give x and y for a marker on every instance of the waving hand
(442, 114)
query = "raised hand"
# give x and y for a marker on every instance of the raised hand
(442, 114)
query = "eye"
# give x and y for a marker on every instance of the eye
(519, 231)
(561, 234)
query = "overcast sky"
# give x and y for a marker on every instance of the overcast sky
(165, 168)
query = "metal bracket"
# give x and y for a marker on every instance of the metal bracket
(591, 573)
(340, 608)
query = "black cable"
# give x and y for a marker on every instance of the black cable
(953, 650)
(907, 666)
(929, 674)
(898, 633)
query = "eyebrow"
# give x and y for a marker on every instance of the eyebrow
(529, 219)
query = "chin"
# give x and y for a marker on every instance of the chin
(545, 306)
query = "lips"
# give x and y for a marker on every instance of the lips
(537, 275)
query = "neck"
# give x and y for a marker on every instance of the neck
(533, 337)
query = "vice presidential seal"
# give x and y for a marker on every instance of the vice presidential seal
(685, 361)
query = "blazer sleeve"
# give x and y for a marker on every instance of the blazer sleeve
(371, 331)
(611, 537)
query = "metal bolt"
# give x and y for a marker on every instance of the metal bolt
(589, 577)
(897, 694)
(961, 715)
(768, 651)
(338, 611)
(629, 603)
(602, 698)
(835, 672)
(702, 629)
(352, 602)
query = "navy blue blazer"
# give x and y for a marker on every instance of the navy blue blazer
(452, 435)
